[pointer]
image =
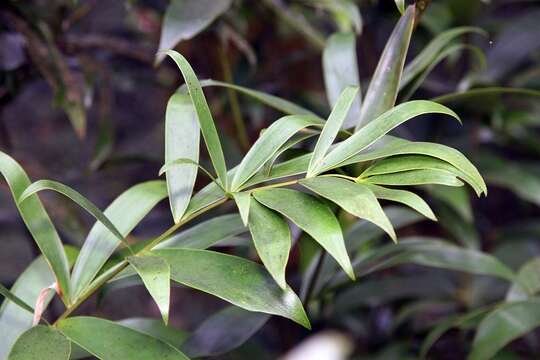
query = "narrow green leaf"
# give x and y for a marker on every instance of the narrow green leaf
(313, 217)
(156, 276)
(77, 198)
(332, 127)
(356, 199)
(15, 299)
(107, 340)
(457, 198)
(41, 343)
(415, 177)
(527, 283)
(243, 200)
(429, 54)
(377, 128)
(275, 102)
(269, 143)
(157, 329)
(210, 194)
(125, 212)
(236, 280)
(404, 197)
(504, 324)
(384, 85)
(476, 94)
(185, 161)
(400, 5)
(296, 139)
(340, 70)
(224, 331)
(186, 18)
(272, 239)
(207, 233)
(182, 134)
(206, 122)
(38, 223)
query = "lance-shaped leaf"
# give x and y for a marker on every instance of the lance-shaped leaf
(206, 122)
(404, 197)
(107, 340)
(272, 239)
(356, 199)
(38, 222)
(331, 128)
(340, 70)
(125, 212)
(157, 329)
(504, 324)
(223, 331)
(243, 200)
(76, 197)
(182, 133)
(478, 94)
(15, 299)
(156, 276)
(269, 143)
(430, 53)
(236, 280)
(415, 177)
(379, 127)
(296, 139)
(207, 233)
(400, 5)
(186, 18)
(384, 85)
(313, 217)
(273, 101)
(41, 343)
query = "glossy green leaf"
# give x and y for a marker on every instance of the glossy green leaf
(38, 222)
(377, 128)
(430, 53)
(384, 85)
(236, 280)
(156, 276)
(224, 331)
(15, 299)
(415, 177)
(272, 239)
(182, 134)
(527, 283)
(404, 197)
(504, 324)
(356, 199)
(243, 200)
(207, 233)
(275, 102)
(125, 212)
(331, 128)
(269, 143)
(41, 343)
(107, 340)
(206, 122)
(157, 329)
(313, 217)
(340, 70)
(76, 197)
(186, 18)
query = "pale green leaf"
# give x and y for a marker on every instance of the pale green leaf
(182, 134)
(206, 122)
(379, 127)
(340, 70)
(313, 217)
(157, 329)
(356, 199)
(107, 340)
(415, 177)
(15, 299)
(156, 276)
(331, 128)
(384, 85)
(400, 5)
(38, 223)
(243, 200)
(125, 212)
(236, 280)
(269, 143)
(404, 197)
(224, 331)
(272, 239)
(41, 343)
(504, 324)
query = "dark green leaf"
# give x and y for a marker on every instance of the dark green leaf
(157, 329)
(404, 197)
(41, 343)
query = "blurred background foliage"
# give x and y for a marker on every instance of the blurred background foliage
(82, 100)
